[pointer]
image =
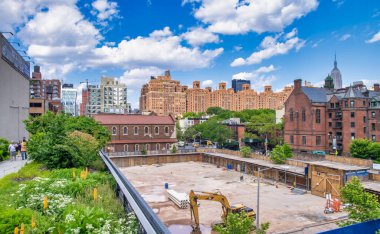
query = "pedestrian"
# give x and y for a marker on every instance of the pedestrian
(23, 149)
(18, 149)
(12, 150)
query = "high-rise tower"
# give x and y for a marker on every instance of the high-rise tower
(336, 75)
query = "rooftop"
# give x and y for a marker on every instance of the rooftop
(339, 166)
(133, 119)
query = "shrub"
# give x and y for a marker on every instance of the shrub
(360, 148)
(280, 153)
(174, 149)
(236, 224)
(245, 151)
(4, 154)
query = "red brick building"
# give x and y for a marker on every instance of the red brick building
(322, 119)
(133, 133)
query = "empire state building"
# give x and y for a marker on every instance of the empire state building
(337, 77)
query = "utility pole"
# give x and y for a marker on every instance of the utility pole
(258, 197)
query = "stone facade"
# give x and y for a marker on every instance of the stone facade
(133, 133)
(319, 119)
(164, 96)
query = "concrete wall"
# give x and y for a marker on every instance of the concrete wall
(14, 101)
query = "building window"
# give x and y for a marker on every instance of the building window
(337, 105)
(352, 124)
(167, 146)
(318, 116)
(114, 130)
(303, 115)
(330, 115)
(352, 103)
(125, 148)
(352, 114)
(146, 130)
(373, 114)
(136, 148)
(373, 137)
(352, 136)
(291, 139)
(331, 105)
(318, 140)
(346, 104)
(147, 146)
(156, 130)
(157, 146)
(125, 131)
(304, 140)
(330, 135)
(373, 126)
(364, 119)
(330, 124)
(291, 115)
(363, 103)
(166, 130)
(136, 130)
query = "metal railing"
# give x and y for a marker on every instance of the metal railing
(151, 152)
(132, 201)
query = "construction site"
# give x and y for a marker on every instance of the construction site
(291, 197)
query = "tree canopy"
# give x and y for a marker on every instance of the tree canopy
(363, 148)
(61, 140)
(280, 153)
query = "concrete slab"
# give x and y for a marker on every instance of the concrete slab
(283, 209)
(10, 166)
(339, 166)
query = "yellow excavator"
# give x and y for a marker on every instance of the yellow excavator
(194, 197)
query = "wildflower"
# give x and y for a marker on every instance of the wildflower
(69, 218)
(16, 230)
(95, 192)
(45, 202)
(22, 229)
(33, 223)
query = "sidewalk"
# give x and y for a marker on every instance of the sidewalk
(9, 166)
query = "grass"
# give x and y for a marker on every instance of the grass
(71, 207)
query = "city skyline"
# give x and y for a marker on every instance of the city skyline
(197, 40)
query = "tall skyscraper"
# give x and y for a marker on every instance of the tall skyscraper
(336, 75)
(237, 84)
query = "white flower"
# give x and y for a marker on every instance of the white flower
(69, 218)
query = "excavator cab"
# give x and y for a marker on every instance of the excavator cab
(238, 208)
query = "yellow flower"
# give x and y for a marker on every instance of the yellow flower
(33, 223)
(16, 230)
(95, 193)
(22, 229)
(45, 202)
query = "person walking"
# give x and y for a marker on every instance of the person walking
(23, 149)
(12, 150)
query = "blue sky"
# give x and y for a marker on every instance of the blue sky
(269, 42)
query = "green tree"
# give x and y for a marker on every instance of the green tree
(280, 153)
(179, 133)
(245, 151)
(360, 148)
(214, 110)
(60, 140)
(363, 205)
(236, 224)
(374, 151)
(189, 134)
(4, 153)
(214, 131)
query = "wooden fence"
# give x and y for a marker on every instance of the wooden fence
(350, 160)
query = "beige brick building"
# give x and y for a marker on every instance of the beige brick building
(165, 96)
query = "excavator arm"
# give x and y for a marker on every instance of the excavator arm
(193, 200)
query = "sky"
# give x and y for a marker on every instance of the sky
(268, 42)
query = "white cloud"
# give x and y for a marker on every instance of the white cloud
(105, 10)
(199, 36)
(237, 48)
(375, 38)
(345, 37)
(206, 83)
(272, 46)
(338, 3)
(161, 33)
(239, 17)
(258, 77)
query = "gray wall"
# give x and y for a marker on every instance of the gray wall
(14, 101)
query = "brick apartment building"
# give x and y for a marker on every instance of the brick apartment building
(328, 119)
(44, 94)
(133, 133)
(164, 96)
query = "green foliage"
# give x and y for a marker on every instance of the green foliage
(245, 151)
(4, 153)
(236, 223)
(214, 110)
(360, 148)
(213, 131)
(62, 141)
(144, 151)
(174, 149)
(363, 205)
(71, 208)
(190, 134)
(374, 151)
(193, 115)
(179, 133)
(280, 153)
